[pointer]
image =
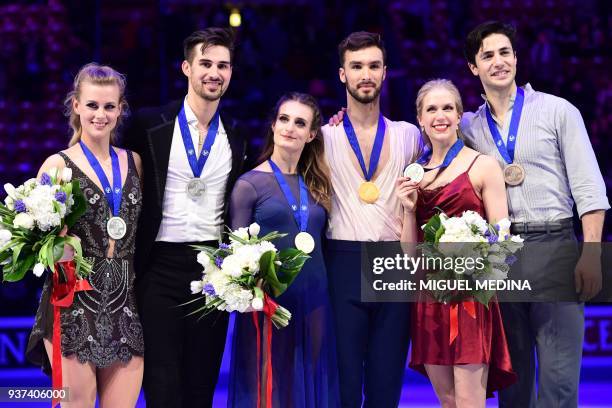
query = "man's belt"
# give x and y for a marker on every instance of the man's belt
(546, 226)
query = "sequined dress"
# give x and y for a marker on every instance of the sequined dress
(102, 325)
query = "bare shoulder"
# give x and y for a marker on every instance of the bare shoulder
(53, 161)
(137, 162)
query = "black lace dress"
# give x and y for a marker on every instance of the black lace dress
(102, 326)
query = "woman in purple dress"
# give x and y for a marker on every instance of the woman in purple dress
(292, 173)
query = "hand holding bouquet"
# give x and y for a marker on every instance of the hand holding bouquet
(33, 219)
(469, 237)
(239, 276)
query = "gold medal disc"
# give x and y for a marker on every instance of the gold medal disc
(368, 192)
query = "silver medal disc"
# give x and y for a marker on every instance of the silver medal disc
(415, 171)
(304, 242)
(116, 228)
(195, 188)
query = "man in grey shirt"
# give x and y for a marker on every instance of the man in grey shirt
(541, 143)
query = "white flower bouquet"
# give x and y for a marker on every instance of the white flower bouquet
(31, 219)
(238, 276)
(490, 247)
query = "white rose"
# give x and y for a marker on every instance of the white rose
(10, 190)
(516, 238)
(242, 233)
(254, 229)
(5, 237)
(257, 303)
(52, 172)
(39, 269)
(203, 259)
(23, 220)
(66, 174)
(473, 218)
(197, 287)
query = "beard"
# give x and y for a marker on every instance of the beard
(354, 92)
(202, 92)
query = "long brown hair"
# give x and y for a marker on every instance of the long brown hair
(312, 164)
(98, 75)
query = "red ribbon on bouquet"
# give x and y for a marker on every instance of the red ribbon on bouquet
(470, 308)
(268, 310)
(62, 295)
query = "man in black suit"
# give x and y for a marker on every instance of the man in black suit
(192, 155)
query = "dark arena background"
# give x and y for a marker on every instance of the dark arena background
(564, 48)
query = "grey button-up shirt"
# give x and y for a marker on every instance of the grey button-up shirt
(554, 148)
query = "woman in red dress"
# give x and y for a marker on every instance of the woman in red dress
(466, 369)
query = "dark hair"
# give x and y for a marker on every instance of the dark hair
(312, 165)
(360, 40)
(473, 41)
(209, 37)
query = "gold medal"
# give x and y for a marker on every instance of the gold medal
(368, 192)
(514, 174)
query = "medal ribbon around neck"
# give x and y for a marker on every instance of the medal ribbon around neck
(450, 155)
(507, 151)
(198, 164)
(113, 195)
(376, 149)
(299, 213)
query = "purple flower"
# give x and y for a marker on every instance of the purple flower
(497, 227)
(20, 206)
(218, 261)
(45, 179)
(492, 238)
(60, 197)
(209, 290)
(511, 259)
(223, 246)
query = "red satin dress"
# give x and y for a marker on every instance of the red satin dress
(480, 336)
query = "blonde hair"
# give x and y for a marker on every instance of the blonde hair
(428, 87)
(98, 75)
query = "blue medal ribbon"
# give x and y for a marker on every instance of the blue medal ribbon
(198, 164)
(450, 155)
(299, 213)
(507, 151)
(376, 149)
(113, 195)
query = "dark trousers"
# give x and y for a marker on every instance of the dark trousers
(372, 338)
(551, 331)
(182, 353)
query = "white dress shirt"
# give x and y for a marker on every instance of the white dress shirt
(185, 219)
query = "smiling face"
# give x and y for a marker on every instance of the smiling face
(98, 108)
(439, 115)
(209, 73)
(495, 62)
(293, 126)
(363, 73)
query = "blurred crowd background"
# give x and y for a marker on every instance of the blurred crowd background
(563, 48)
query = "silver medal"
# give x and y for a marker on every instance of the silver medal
(415, 171)
(304, 242)
(195, 188)
(116, 228)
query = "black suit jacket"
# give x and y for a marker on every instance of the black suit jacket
(149, 133)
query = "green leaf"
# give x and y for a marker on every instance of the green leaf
(292, 261)
(19, 270)
(78, 208)
(268, 271)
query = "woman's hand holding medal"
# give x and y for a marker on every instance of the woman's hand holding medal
(406, 190)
